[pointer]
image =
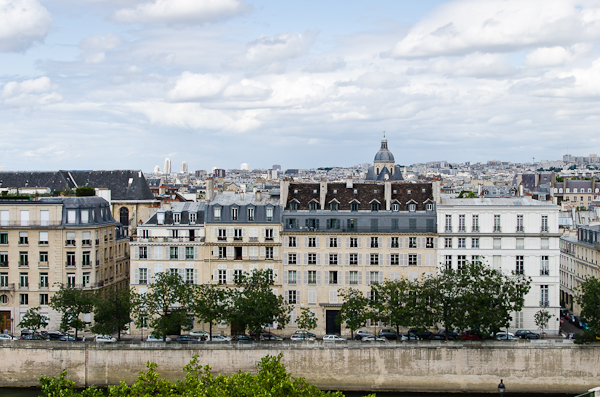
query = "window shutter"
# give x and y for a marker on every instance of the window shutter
(388, 259)
(275, 252)
(195, 253)
(181, 253)
(229, 232)
(230, 252)
(328, 223)
(360, 258)
(244, 232)
(299, 277)
(347, 259)
(380, 242)
(318, 258)
(286, 241)
(359, 242)
(347, 242)
(305, 259)
(381, 263)
(262, 251)
(216, 232)
(318, 241)
(285, 258)
(403, 259)
(136, 253)
(262, 232)
(325, 278)
(435, 242)
(275, 233)
(305, 242)
(229, 275)
(215, 251)
(285, 278)
(389, 242)
(339, 242)
(215, 275)
(406, 242)
(368, 295)
(340, 260)
(367, 259)
(327, 242)
(196, 276)
(347, 277)
(149, 275)
(333, 298)
(318, 277)
(400, 245)
(317, 224)
(419, 242)
(158, 268)
(136, 276)
(244, 252)
(419, 260)
(326, 259)
(181, 273)
(368, 279)
(359, 278)
(380, 277)
(305, 277)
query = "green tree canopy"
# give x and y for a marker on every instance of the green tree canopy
(355, 310)
(71, 303)
(33, 320)
(589, 301)
(307, 319)
(112, 310)
(210, 304)
(395, 302)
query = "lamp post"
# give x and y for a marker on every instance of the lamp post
(501, 388)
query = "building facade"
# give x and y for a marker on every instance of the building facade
(514, 235)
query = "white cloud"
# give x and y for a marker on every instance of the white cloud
(94, 47)
(191, 87)
(556, 56)
(465, 26)
(22, 23)
(474, 65)
(325, 65)
(29, 93)
(181, 11)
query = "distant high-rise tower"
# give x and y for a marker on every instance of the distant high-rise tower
(167, 168)
(156, 169)
(184, 168)
(245, 167)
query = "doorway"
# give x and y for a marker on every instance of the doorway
(330, 326)
(5, 321)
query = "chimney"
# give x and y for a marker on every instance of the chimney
(284, 185)
(349, 184)
(210, 190)
(323, 193)
(388, 195)
(257, 195)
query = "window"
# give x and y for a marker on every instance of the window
(353, 259)
(4, 259)
(292, 296)
(448, 261)
(448, 227)
(189, 252)
(250, 214)
(412, 207)
(3, 238)
(71, 280)
(312, 277)
(394, 242)
(395, 224)
(176, 218)
(44, 238)
(412, 259)
(312, 206)
(234, 214)
(412, 242)
(312, 259)
(269, 214)
(222, 234)
(44, 280)
(462, 242)
(545, 267)
(519, 223)
(312, 223)
(173, 252)
(24, 259)
(429, 242)
(374, 242)
(333, 259)
(292, 241)
(374, 207)
(312, 242)
(222, 252)
(333, 223)
(222, 274)
(351, 224)
(497, 223)
(354, 207)
(23, 238)
(544, 301)
(544, 223)
(43, 299)
(143, 252)
(85, 279)
(333, 242)
(291, 277)
(143, 276)
(24, 299)
(291, 259)
(429, 207)
(475, 259)
(291, 223)
(475, 242)
(70, 239)
(333, 206)
(448, 242)
(353, 277)
(268, 252)
(71, 216)
(189, 276)
(237, 275)
(374, 259)
(3, 279)
(461, 262)
(497, 243)
(519, 265)
(269, 234)
(461, 223)
(475, 223)
(217, 213)
(192, 216)
(293, 206)
(520, 243)
(85, 258)
(333, 277)
(23, 280)
(395, 207)
(394, 259)
(374, 279)
(353, 242)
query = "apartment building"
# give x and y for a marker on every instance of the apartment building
(576, 193)
(578, 260)
(338, 235)
(49, 242)
(514, 235)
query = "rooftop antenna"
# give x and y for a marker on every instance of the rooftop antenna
(384, 134)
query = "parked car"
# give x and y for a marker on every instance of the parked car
(188, 339)
(270, 337)
(199, 333)
(388, 334)
(296, 337)
(105, 339)
(69, 338)
(470, 335)
(522, 333)
(451, 334)
(504, 333)
(571, 335)
(220, 338)
(409, 337)
(332, 338)
(26, 332)
(152, 338)
(362, 333)
(373, 338)
(33, 337)
(241, 338)
(6, 337)
(506, 337)
(426, 335)
(532, 335)
(55, 334)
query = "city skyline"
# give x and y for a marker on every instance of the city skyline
(301, 85)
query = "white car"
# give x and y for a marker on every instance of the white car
(373, 338)
(152, 338)
(220, 338)
(362, 333)
(506, 337)
(5, 337)
(332, 338)
(199, 333)
(503, 333)
(105, 339)
(301, 337)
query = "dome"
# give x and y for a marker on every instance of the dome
(384, 154)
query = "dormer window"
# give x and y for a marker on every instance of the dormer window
(293, 206)
(251, 214)
(269, 214)
(315, 191)
(192, 217)
(217, 213)
(412, 207)
(429, 207)
(354, 207)
(375, 207)
(176, 218)
(312, 206)
(333, 206)
(396, 207)
(160, 218)
(234, 214)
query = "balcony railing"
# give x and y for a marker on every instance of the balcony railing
(42, 243)
(43, 285)
(4, 264)
(544, 272)
(520, 229)
(24, 286)
(86, 242)
(253, 239)
(475, 229)
(70, 243)
(544, 303)
(70, 264)
(86, 263)
(23, 263)
(43, 264)
(31, 223)
(497, 229)
(367, 229)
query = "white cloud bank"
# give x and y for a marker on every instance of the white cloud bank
(94, 47)
(29, 93)
(181, 11)
(22, 23)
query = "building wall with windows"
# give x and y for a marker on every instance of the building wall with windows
(578, 260)
(512, 235)
(50, 242)
(340, 235)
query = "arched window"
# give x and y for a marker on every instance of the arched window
(124, 216)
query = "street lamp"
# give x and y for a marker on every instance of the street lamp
(501, 388)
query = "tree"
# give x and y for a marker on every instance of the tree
(33, 320)
(253, 304)
(541, 318)
(112, 310)
(307, 319)
(394, 303)
(71, 303)
(209, 304)
(85, 191)
(589, 301)
(165, 305)
(354, 311)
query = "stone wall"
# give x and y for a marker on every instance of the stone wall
(541, 366)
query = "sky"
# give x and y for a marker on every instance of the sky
(123, 84)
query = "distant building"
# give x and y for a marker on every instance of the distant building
(200, 173)
(156, 169)
(384, 167)
(219, 173)
(184, 168)
(245, 167)
(277, 167)
(167, 168)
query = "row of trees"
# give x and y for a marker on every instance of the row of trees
(476, 297)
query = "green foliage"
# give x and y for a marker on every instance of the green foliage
(112, 310)
(541, 318)
(209, 304)
(165, 305)
(254, 305)
(33, 320)
(466, 194)
(588, 300)
(71, 303)
(395, 303)
(560, 179)
(85, 191)
(355, 310)
(307, 319)
(271, 380)
(587, 336)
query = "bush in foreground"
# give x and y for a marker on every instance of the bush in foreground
(272, 380)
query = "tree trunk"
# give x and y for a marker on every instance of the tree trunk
(398, 333)
(210, 331)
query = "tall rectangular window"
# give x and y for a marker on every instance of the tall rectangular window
(475, 223)
(353, 277)
(44, 280)
(519, 266)
(143, 252)
(189, 253)
(234, 214)
(448, 227)
(447, 242)
(23, 238)
(3, 279)
(143, 276)
(333, 277)
(291, 259)
(394, 242)
(353, 259)
(269, 214)
(545, 266)
(23, 280)
(250, 214)
(374, 259)
(394, 259)
(222, 274)
(71, 280)
(544, 223)
(544, 299)
(333, 259)
(475, 242)
(312, 277)
(217, 213)
(461, 262)
(461, 223)
(520, 223)
(448, 261)
(291, 276)
(462, 242)
(497, 223)
(374, 242)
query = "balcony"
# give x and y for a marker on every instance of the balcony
(544, 272)
(42, 264)
(520, 229)
(23, 263)
(42, 243)
(4, 264)
(86, 242)
(544, 229)
(544, 303)
(497, 229)
(24, 286)
(221, 238)
(7, 287)
(253, 239)
(70, 243)
(43, 285)
(86, 264)
(70, 264)
(475, 229)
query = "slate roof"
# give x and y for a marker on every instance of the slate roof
(118, 181)
(372, 176)
(185, 209)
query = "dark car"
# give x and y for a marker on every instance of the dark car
(388, 333)
(187, 339)
(55, 335)
(532, 335)
(522, 333)
(427, 335)
(270, 337)
(26, 332)
(451, 334)
(69, 338)
(33, 337)
(241, 338)
(470, 335)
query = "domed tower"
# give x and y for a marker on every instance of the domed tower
(384, 166)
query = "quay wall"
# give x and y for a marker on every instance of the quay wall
(544, 366)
